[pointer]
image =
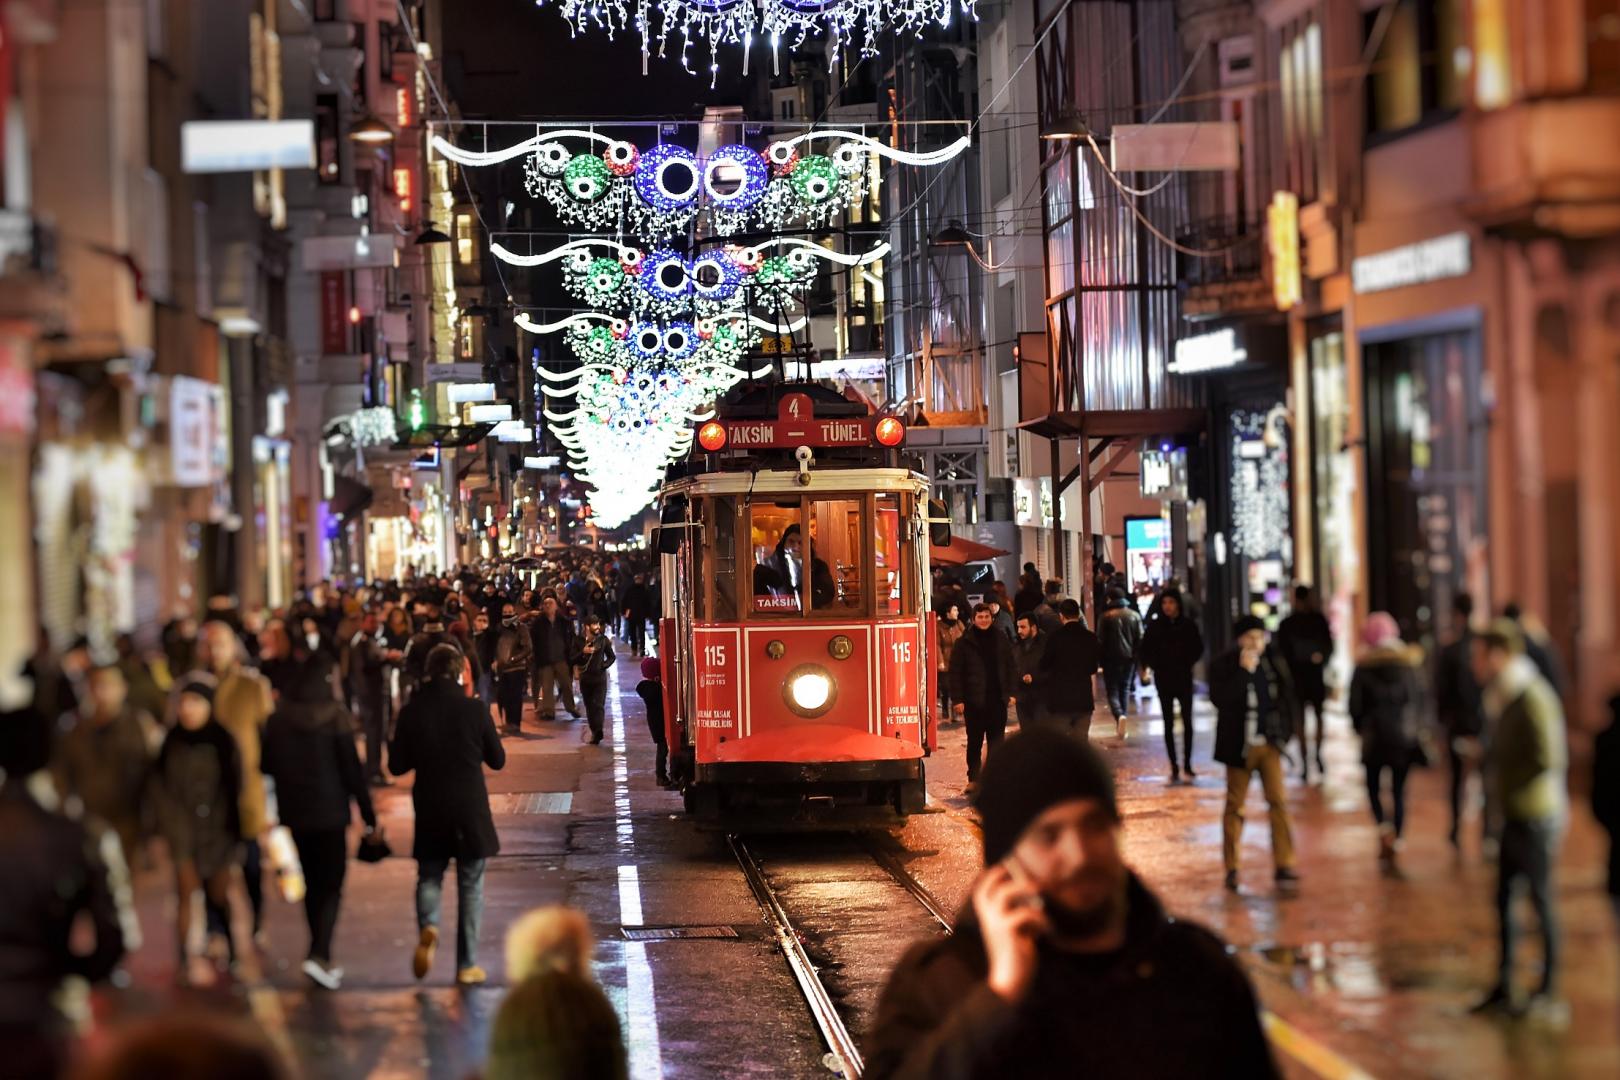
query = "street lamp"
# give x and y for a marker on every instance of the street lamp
(371, 131)
(953, 235)
(1066, 126)
(432, 234)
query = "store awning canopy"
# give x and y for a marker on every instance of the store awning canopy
(430, 435)
(962, 551)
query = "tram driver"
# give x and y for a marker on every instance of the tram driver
(782, 572)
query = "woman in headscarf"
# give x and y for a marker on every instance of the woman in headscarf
(1386, 707)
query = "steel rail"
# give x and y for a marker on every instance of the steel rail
(895, 869)
(833, 1031)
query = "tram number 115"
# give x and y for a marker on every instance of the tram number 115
(902, 652)
(714, 655)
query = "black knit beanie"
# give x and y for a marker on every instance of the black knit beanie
(1029, 774)
(1247, 623)
(203, 688)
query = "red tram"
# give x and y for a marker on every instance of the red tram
(799, 685)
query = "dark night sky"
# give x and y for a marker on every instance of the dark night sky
(512, 60)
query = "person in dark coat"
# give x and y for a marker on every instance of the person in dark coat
(57, 875)
(1171, 647)
(1386, 703)
(433, 632)
(1068, 670)
(1306, 641)
(636, 607)
(982, 681)
(555, 643)
(1606, 794)
(1064, 964)
(1027, 653)
(593, 660)
(104, 758)
(368, 689)
(1457, 708)
(651, 691)
(513, 652)
(448, 738)
(1120, 631)
(197, 787)
(309, 753)
(1256, 713)
(1029, 590)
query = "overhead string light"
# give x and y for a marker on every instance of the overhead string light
(604, 274)
(660, 192)
(846, 23)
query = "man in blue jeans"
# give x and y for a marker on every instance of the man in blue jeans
(448, 738)
(1120, 631)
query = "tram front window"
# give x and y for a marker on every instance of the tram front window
(776, 537)
(837, 556)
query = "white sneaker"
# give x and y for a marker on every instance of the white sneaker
(330, 978)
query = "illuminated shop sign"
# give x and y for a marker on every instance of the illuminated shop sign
(1208, 352)
(213, 146)
(1434, 259)
(1282, 236)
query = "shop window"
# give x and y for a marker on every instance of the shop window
(466, 246)
(1419, 66)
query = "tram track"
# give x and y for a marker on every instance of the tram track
(810, 949)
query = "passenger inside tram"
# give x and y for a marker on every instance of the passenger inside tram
(779, 569)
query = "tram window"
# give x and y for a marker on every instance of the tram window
(720, 537)
(837, 556)
(890, 578)
(776, 545)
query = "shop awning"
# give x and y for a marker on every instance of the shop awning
(431, 435)
(962, 551)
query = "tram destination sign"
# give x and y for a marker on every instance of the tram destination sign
(796, 425)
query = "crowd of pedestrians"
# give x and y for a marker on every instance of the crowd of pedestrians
(248, 747)
(253, 744)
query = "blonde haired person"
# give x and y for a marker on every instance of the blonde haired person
(556, 1024)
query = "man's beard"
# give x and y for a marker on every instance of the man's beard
(1081, 924)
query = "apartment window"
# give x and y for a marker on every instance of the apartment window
(324, 10)
(328, 165)
(788, 108)
(1420, 64)
(465, 248)
(465, 347)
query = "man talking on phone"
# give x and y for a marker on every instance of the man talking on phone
(1064, 964)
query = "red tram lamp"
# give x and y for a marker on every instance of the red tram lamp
(712, 436)
(889, 432)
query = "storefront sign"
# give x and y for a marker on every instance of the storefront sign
(215, 146)
(1435, 259)
(196, 432)
(16, 390)
(1208, 352)
(1032, 501)
(334, 312)
(1282, 236)
(1164, 474)
(374, 251)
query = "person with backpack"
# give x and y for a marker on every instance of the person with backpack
(651, 691)
(1386, 703)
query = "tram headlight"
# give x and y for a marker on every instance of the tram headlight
(810, 690)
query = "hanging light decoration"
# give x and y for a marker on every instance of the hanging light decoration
(660, 192)
(846, 23)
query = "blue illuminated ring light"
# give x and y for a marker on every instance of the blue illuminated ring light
(680, 341)
(652, 171)
(725, 285)
(664, 275)
(756, 177)
(646, 340)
